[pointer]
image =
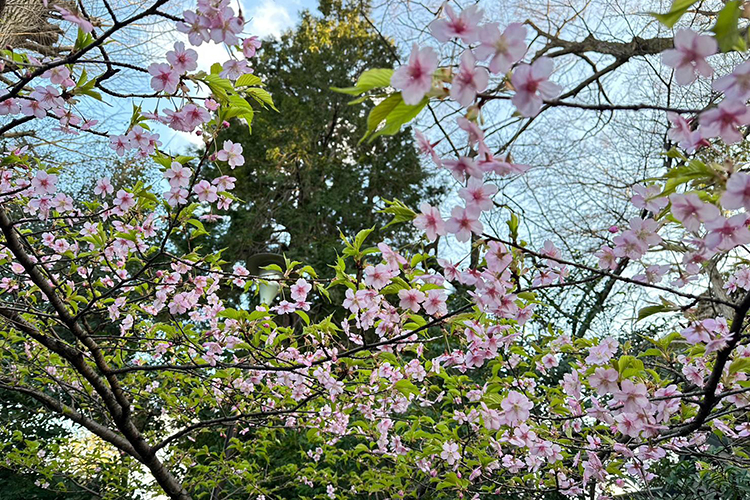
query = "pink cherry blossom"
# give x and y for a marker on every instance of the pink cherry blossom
(29, 107)
(701, 331)
(462, 167)
(196, 27)
(477, 195)
(463, 223)
(476, 134)
(232, 154)
(120, 143)
(517, 407)
(378, 276)
(414, 79)
(633, 397)
(450, 452)
(181, 59)
(47, 96)
(411, 299)
(725, 234)
(176, 196)
(688, 57)
(736, 85)
(648, 198)
(250, 46)
(205, 191)
(724, 121)
(604, 380)
(532, 84)
(178, 175)
(463, 26)
(505, 49)
(164, 78)
(103, 187)
(300, 289)
(44, 183)
(225, 27)
(628, 245)
(488, 163)
(124, 200)
(434, 304)
(430, 221)
(607, 258)
(59, 75)
(601, 353)
(691, 211)
(469, 80)
(82, 23)
(234, 68)
(426, 147)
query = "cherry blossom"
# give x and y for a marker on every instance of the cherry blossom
(124, 200)
(462, 25)
(691, 211)
(736, 85)
(725, 234)
(477, 195)
(469, 80)
(250, 45)
(178, 175)
(688, 58)
(232, 154)
(463, 223)
(164, 78)
(724, 121)
(531, 82)
(648, 197)
(516, 407)
(205, 191)
(44, 183)
(182, 59)
(504, 49)
(462, 167)
(103, 187)
(411, 299)
(430, 221)
(414, 79)
(450, 452)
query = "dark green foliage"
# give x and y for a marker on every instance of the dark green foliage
(305, 177)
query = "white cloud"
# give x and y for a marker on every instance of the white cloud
(268, 18)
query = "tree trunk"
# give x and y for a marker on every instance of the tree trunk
(24, 24)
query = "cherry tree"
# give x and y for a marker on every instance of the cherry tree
(431, 379)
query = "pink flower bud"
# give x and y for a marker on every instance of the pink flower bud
(613, 229)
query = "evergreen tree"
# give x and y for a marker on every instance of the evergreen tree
(306, 177)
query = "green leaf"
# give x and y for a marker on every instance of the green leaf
(629, 366)
(679, 7)
(360, 238)
(647, 311)
(370, 79)
(248, 80)
(302, 314)
(220, 87)
(406, 387)
(380, 112)
(401, 213)
(726, 27)
(262, 96)
(373, 78)
(739, 365)
(401, 114)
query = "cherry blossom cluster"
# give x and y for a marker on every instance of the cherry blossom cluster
(484, 42)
